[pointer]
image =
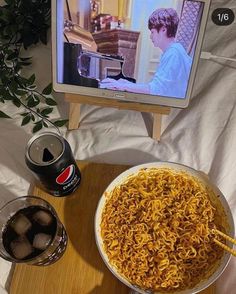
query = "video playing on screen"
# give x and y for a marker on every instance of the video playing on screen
(135, 46)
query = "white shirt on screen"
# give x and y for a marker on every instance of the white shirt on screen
(172, 75)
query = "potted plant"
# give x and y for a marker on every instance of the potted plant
(24, 23)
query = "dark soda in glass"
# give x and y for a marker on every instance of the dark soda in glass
(29, 232)
(33, 233)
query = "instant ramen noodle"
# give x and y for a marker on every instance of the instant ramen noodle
(157, 230)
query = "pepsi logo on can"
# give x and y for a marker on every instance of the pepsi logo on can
(66, 175)
(50, 158)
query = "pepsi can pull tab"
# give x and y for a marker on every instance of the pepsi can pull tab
(50, 158)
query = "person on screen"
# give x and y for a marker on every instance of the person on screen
(172, 74)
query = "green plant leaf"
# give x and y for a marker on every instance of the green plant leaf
(22, 80)
(3, 115)
(25, 58)
(46, 111)
(50, 101)
(47, 90)
(31, 80)
(33, 101)
(8, 96)
(24, 63)
(5, 79)
(13, 86)
(60, 123)
(38, 126)
(16, 102)
(29, 40)
(13, 55)
(24, 114)
(26, 120)
(31, 87)
(20, 92)
(32, 117)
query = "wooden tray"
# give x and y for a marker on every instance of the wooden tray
(81, 270)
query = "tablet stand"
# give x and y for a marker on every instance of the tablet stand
(76, 100)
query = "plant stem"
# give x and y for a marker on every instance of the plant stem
(39, 115)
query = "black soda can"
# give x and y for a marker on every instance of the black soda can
(50, 158)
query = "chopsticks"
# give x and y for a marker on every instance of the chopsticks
(225, 247)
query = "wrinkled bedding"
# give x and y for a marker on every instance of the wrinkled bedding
(202, 136)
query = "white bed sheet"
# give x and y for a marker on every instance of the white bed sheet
(202, 136)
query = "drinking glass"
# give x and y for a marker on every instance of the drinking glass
(23, 223)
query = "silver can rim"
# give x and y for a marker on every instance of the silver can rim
(30, 142)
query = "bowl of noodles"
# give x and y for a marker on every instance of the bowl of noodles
(154, 229)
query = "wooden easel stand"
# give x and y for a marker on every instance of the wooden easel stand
(76, 100)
